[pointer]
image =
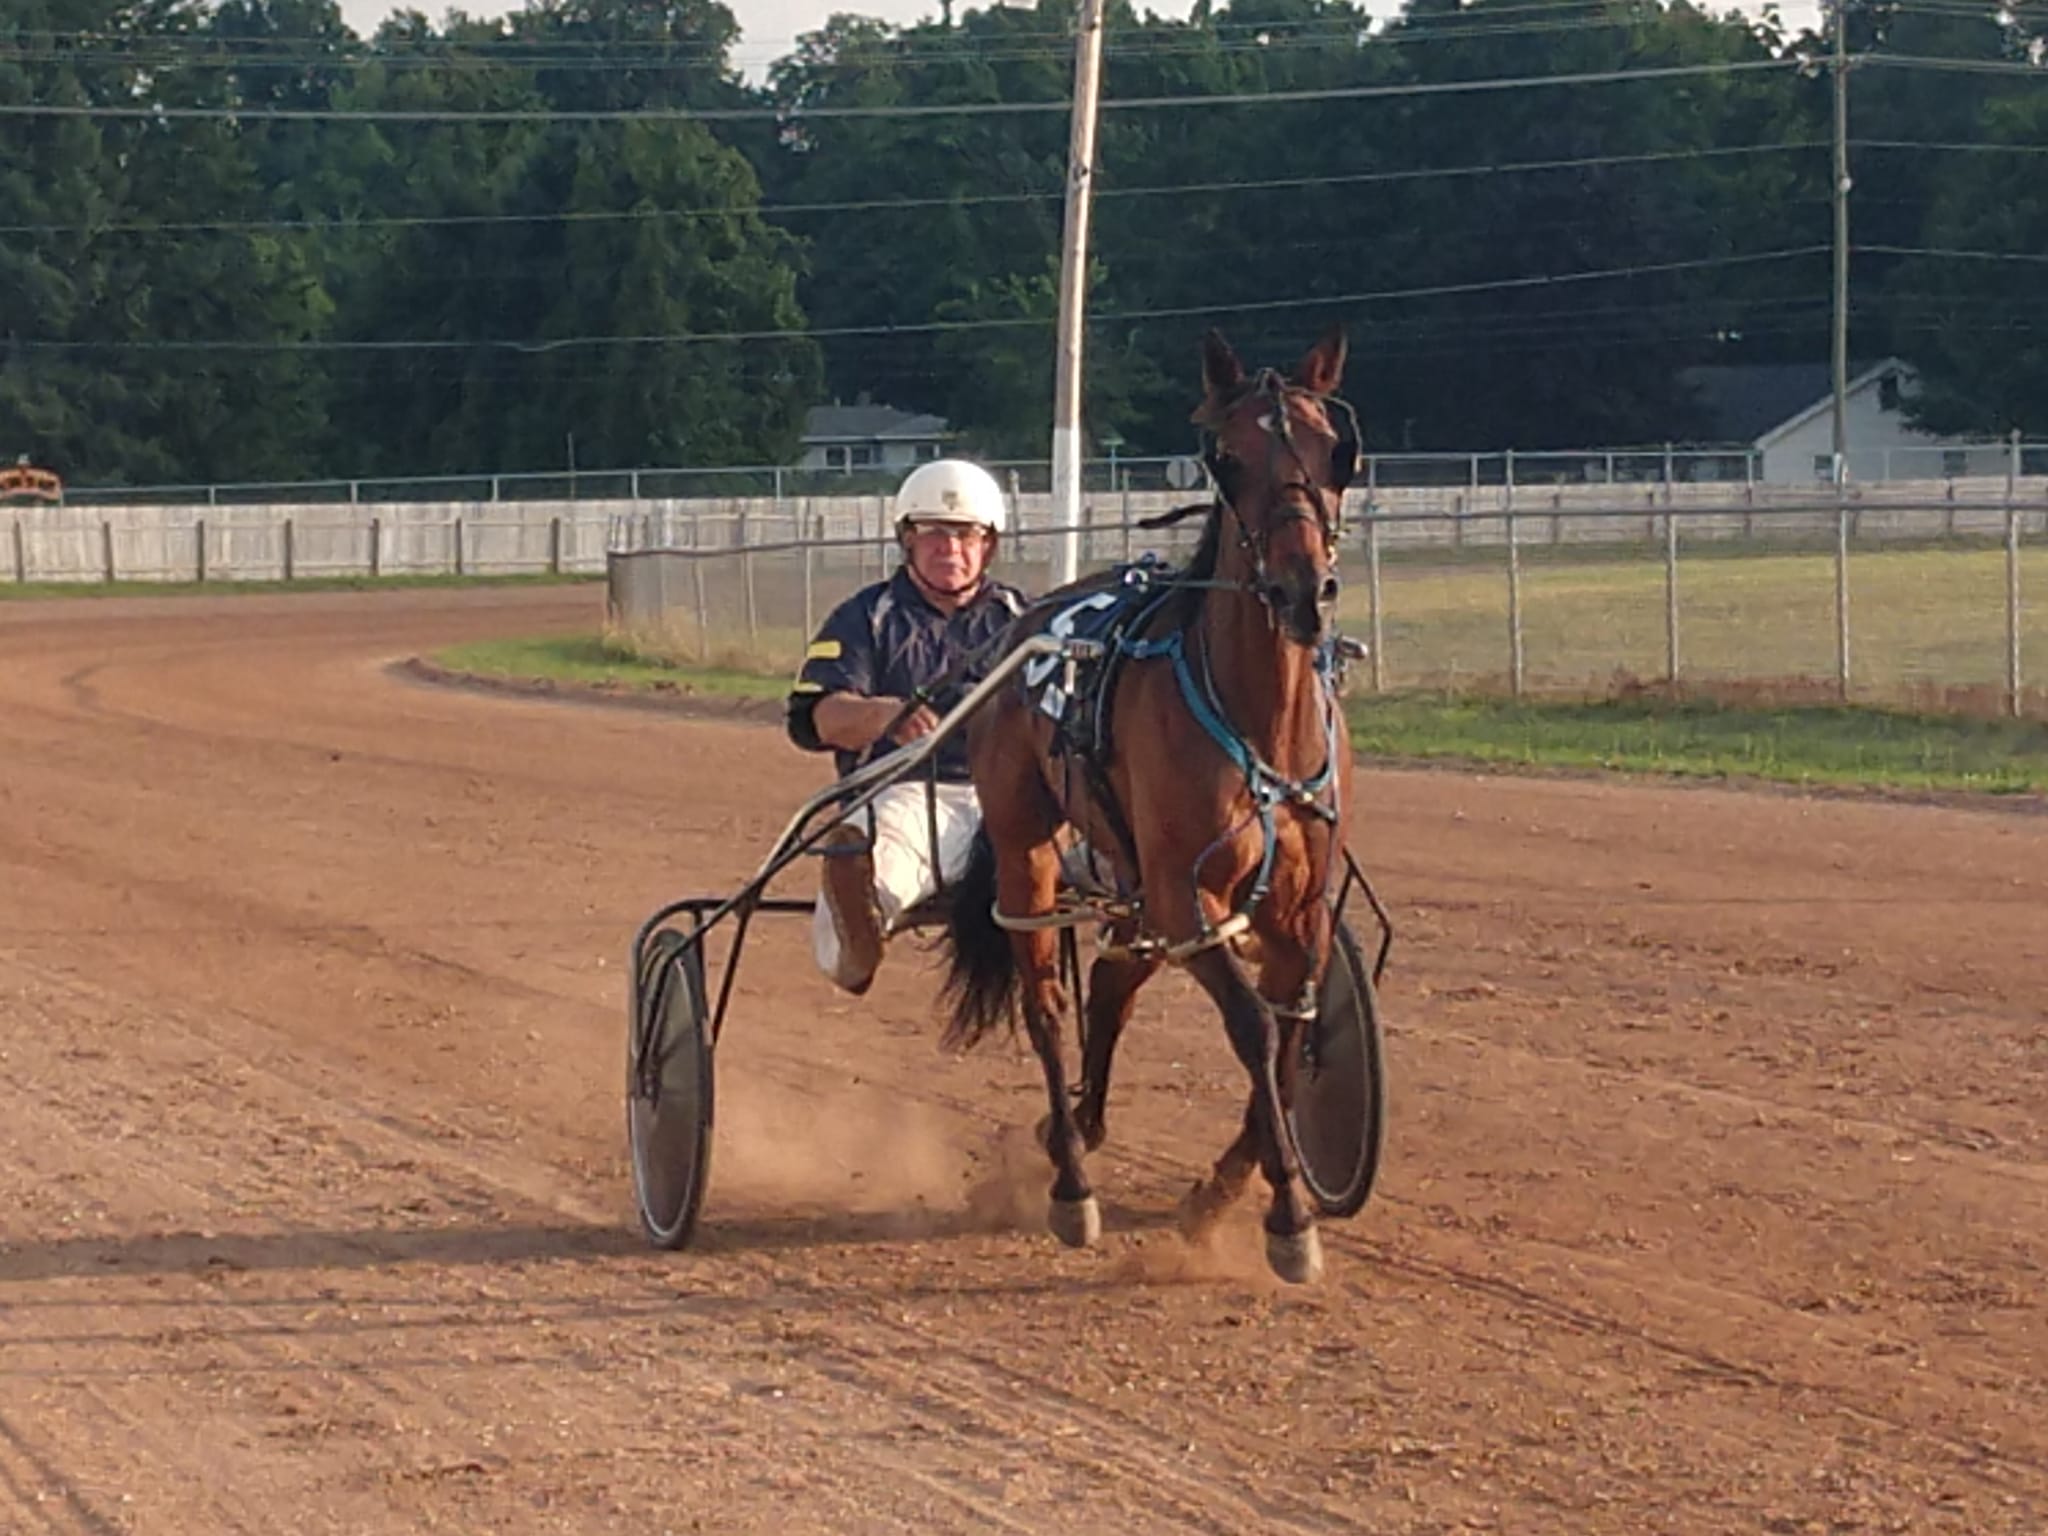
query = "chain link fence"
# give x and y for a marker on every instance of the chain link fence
(1909, 601)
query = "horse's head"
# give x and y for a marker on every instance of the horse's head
(1282, 449)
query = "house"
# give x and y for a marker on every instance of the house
(865, 436)
(1785, 414)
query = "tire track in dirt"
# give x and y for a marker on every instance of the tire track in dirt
(1711, 1310)
(401, 1401)
(1141, 1467)
(384, 1401)
(46, 1498)
(992, 1400)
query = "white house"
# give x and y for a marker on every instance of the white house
(864, 436)
(1786, 414)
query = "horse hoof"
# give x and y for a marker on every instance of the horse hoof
(1296, 1258)
(1077, 1223)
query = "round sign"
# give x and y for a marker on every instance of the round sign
(1183, 473)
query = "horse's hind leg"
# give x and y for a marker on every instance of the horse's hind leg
(1292, 1247)
(1027, 882)
(1112, 990)
(1211, 1197)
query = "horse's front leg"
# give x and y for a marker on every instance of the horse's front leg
(1028, 884)
(1287, 981)
(1293, 1246)
(1283, 977)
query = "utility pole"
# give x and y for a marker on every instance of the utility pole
(1840, 349)
(1066, 406)
(1841, 318)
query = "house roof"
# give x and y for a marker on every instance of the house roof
(869, 423)
(1753, 402)
(1743, 402)
(1856, 383)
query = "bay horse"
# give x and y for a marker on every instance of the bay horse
(1222, 804)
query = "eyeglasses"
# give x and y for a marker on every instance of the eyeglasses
(959, 533)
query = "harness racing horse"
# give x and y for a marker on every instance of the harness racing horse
(1221, 802)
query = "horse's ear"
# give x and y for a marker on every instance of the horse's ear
(1321, 368)
(1221, 371)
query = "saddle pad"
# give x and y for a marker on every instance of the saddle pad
(1076, 695)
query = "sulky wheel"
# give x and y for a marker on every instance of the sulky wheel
(1339, 1118)
(669, 1091)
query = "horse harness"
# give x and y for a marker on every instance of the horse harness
(1079, 697)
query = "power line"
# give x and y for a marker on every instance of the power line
(1964, 66)
(916, 110)
(900, 204)
(1962, 10)
(1126, 317)
(1444, 290)
(1956, 255)
(2009, 149)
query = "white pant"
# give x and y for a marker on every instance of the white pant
(901, 822)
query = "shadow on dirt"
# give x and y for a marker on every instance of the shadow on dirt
(796, 1231)
(200, 1252)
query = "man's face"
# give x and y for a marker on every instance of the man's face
(947, 557)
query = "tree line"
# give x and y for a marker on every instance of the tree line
(634, 255)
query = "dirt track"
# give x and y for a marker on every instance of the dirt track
(1717, 1196)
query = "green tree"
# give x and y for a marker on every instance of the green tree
(98, 369)
(1971, 324)
(999, 378)
(575, 232)
(985, 187)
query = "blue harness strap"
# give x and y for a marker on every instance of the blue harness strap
(1268, 787)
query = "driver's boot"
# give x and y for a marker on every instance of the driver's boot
(848, 887)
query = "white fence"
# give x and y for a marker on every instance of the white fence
(285, 542)
(288, 543)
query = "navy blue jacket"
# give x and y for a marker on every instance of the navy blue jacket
(887, 641)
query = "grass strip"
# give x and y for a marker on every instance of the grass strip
(602, 662)
(1834, 746)
(1816, 745)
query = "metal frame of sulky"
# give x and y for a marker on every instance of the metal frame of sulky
(806, 829)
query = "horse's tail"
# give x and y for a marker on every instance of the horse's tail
(981, 966)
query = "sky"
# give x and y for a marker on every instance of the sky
(769, 27)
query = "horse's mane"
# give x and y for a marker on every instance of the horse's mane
(1183, 607)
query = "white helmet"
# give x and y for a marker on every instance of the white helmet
(951, 491)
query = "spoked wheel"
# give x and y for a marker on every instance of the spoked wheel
(1339, 1118)
(669, 1094)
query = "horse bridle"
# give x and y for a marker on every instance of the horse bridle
(1328, 501)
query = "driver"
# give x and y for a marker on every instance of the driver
(883, 646)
